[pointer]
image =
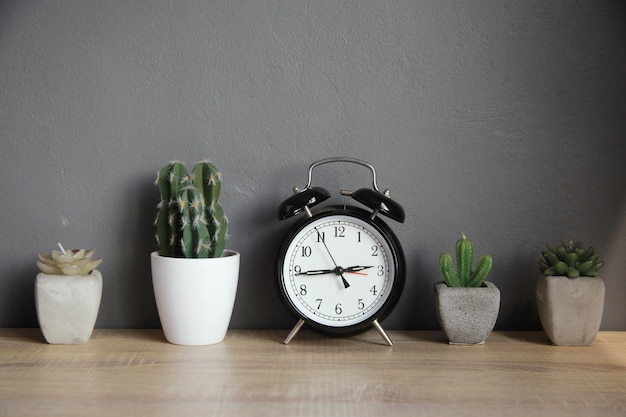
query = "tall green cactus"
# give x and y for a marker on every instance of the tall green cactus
(190, 222)
(464, 276)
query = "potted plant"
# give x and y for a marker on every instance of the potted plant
(67, 295)
(570, 295)
(467, 305)
(194, 277)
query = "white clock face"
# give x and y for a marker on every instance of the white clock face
(338, 271)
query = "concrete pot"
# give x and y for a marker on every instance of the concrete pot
(195, 297)
(467, 315)
(67, 306)
(570, 310)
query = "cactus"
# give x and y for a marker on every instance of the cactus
(190, 222)
(464, 276)
(73, 262)
(570, 260)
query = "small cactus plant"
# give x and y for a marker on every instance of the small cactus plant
(464, 275)
(68, 262)
(570, 260)
(190, 222)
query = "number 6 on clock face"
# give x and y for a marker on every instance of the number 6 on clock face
(340, 270)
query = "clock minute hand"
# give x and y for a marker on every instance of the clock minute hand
(315, 272)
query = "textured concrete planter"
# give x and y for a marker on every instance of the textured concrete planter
(467, 315)
(195, 297)
(67, 306)
(570, 310)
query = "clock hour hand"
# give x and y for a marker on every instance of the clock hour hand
(356, 268)
(315, 272)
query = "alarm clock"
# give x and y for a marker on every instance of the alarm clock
(340, 269)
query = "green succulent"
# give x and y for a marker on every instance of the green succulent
(570, 260)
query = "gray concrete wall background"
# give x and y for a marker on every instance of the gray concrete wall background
(504, 120)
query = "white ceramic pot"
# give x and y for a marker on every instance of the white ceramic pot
(195, 296)
(570, 309)
(467, 315)
(67, 306)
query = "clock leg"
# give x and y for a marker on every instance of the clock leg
(382, 333)
(294, 331)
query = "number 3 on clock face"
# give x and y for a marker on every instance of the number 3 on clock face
(340, 270)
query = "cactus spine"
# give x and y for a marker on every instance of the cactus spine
(464, 276)
(570, 260)
(190, 222)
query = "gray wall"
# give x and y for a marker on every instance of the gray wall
(502, 119)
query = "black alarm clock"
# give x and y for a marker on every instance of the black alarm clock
(340, 269)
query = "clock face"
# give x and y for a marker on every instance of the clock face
(340, 270)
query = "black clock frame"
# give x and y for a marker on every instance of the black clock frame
(397, 259)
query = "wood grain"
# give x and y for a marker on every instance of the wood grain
(137, 373)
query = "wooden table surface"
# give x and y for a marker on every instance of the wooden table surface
(251, 373)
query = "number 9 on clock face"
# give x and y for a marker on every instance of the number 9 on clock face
(340, 270)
